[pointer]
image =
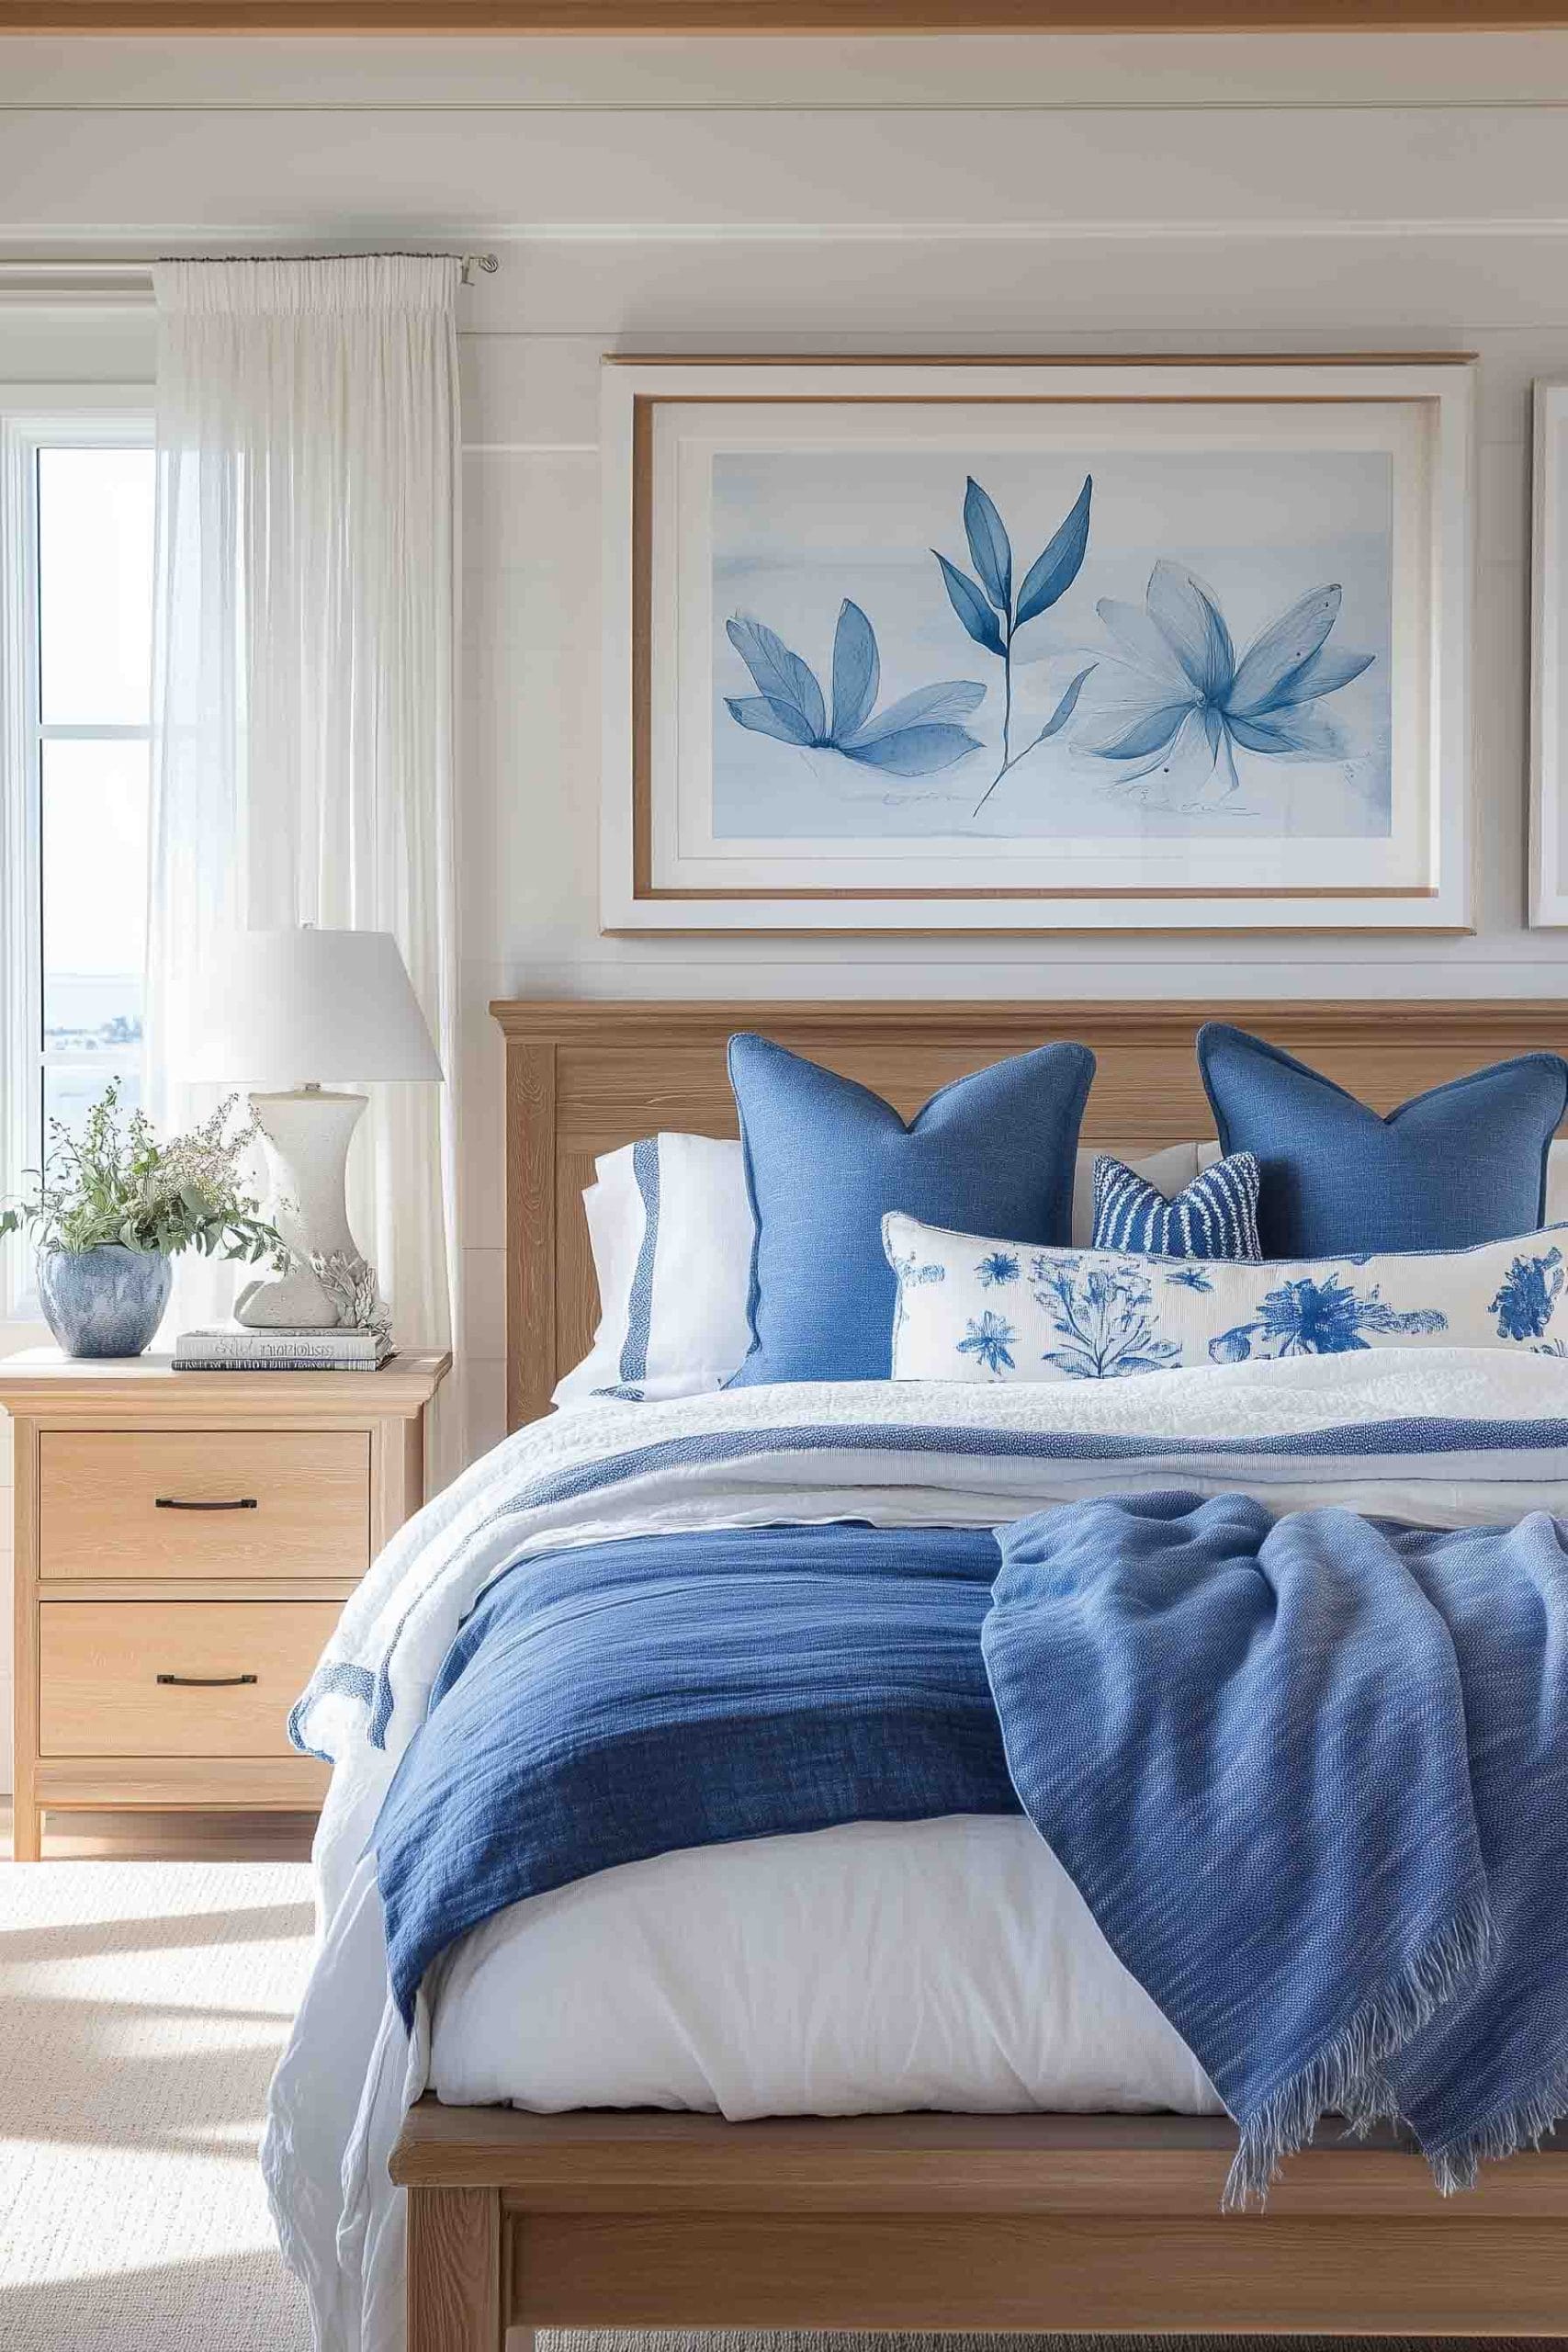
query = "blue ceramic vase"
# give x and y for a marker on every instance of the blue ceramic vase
(105, 1302)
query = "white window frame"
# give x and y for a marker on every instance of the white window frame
(34, 416)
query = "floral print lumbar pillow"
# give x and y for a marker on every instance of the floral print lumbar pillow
(974, 1309)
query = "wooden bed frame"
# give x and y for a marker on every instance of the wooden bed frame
(1089, 2223)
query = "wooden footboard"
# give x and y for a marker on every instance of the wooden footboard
(1090, 2223)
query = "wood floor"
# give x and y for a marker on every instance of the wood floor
(170, 1837)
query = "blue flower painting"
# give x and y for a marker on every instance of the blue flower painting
(1307, 1317)
(915, 736)
(1120, 648)
(1182, 693)
(1194, 1276)
(1105, 1318)
(1527, 1296)
(990, 1341)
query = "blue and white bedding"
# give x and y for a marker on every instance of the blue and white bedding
(1440, 1439)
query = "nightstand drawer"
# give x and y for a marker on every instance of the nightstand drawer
(234, 1668)
(204, 1503)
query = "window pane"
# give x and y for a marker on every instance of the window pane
(70, 1094)
(95, 898)
(95, 586)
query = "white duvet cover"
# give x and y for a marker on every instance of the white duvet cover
(943, 1964)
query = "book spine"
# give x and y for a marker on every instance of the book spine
(276, 1363)
(285, 1350)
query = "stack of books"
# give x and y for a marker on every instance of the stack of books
(234, 1347)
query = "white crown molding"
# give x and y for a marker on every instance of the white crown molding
(35, 248)
(1251, 230)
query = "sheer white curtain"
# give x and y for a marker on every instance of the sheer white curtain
(306, 616)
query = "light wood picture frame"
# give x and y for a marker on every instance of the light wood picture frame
(1549, 661)
(1029, 645)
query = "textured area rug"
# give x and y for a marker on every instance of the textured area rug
(143, 2006)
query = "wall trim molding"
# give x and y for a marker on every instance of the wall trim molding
(92, 247)
(739, 18)
(1261, 102)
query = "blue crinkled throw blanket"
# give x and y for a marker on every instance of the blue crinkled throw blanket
(1310, 1775)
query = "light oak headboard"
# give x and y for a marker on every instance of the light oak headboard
(583, 1077)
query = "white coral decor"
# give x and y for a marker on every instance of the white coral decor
(350, 1282)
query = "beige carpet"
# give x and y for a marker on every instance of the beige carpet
(141, 2008)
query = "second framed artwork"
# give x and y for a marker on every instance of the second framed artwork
(928, 645)
(1549, 699)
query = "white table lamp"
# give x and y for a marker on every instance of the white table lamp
(284, 1011)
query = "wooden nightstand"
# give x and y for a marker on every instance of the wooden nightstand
(184, 1543)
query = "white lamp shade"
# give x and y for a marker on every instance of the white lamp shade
(291, 1008)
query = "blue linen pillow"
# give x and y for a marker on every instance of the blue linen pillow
(1217, 1217)
(826, 1159)
(1463, 1164)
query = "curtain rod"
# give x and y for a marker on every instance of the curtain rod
(143, 270)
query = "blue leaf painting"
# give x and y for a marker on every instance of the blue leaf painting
(1188, 617)
(1066, 707)
(1053, 573)
(954, 699)
(764, 716)
(857, 669)
(1273, 663)
(1048, 578)
(783, 678)
(915, 736)
(990, 550)
(970, 606)
(911, 750)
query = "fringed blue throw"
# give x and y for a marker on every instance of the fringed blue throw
(1312, 1778)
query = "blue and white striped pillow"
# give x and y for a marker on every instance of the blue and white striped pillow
(1217, 1217)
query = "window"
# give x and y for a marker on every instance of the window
(78, 556)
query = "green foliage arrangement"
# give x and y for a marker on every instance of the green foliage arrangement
(116, 1183)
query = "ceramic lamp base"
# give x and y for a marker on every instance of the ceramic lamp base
(306, 1134)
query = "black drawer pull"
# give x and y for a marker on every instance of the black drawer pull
(207, 1682)
(172, 1502)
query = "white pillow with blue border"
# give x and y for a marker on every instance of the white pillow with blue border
(975, 1309)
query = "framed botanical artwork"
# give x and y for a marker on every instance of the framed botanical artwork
(1548, 661)
(1023, 645)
